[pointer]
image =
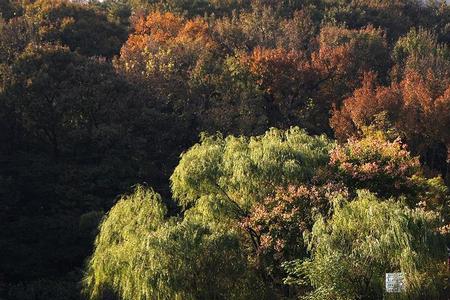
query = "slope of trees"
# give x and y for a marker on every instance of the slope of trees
(223, 149)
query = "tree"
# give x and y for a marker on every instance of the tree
(239, 172)
(74, 135)
(363, 240)
(344, 55)
(228, 181)
(385, 167)
(411, 108)
(281, 220)
(367, 104)
(141, 254)
(377, 164)
(71, 24)
(290, 83)
(163, 51)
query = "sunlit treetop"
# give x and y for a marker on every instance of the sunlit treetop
(140, 254)
(388, 169)
(241, 171)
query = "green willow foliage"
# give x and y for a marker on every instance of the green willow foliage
(140, 254)
(240, 171)
(366, 238)
(213, 251)
(121, 233)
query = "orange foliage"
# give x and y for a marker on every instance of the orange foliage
(366, 103)
(418, 107)
(167, 28)
(291, 84)
(344, 55)
(160, 27)
(425, 114)
(163, 43)
(281, 73)
(280, 221)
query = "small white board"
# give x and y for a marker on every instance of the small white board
(395, 282)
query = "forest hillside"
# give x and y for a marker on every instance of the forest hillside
(224, 149)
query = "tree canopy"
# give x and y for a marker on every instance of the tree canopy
(252, 200)
(234, 126)
(366, 238)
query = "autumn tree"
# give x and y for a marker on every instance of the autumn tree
(411, 107)
(368, 102)
(344, 55)
(290, 84)
(162, 51)
(280, 222)
(374, 163)
(388, 169)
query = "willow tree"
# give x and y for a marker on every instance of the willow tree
(141, 254)
(236, 172)
(122, 232)
(366, 238)
(220, 180)
(207, 254)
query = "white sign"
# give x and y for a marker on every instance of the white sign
(395, 282)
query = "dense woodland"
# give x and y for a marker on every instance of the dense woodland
(224, 149)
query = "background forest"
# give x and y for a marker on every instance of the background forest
(223, 149)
